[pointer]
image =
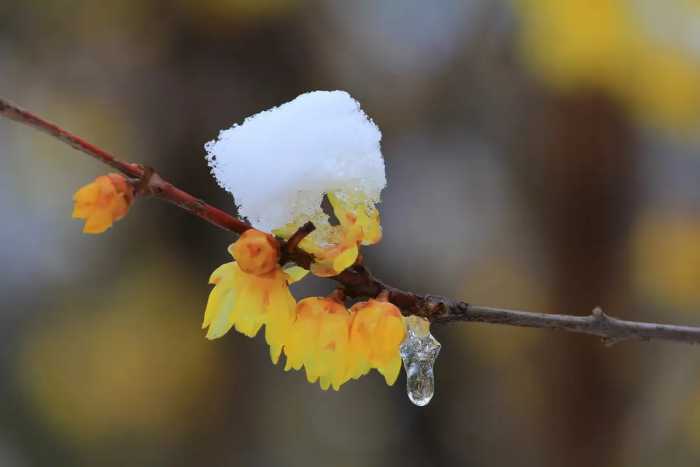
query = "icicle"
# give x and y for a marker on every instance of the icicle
(418, 352)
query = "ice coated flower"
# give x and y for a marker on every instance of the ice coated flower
(376, 332)
(318, 341)
(280, 164)
(102, 202)
(358, 224)
(251, 292)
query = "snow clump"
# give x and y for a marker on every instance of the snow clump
(278, 164)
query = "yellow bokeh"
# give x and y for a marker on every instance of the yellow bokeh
(133, 364)
(666, 260)
(620, 47)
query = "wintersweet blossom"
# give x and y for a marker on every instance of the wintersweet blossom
(376, 332)
(335, 345)
(358, 224)
(251, 292)
(282, 165)
(102, 202)
(318, 341)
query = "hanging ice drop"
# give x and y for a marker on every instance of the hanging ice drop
(418, 352)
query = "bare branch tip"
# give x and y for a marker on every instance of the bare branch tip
(598, 314)
(301, 233)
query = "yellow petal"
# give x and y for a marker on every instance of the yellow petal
(226, 270)
(220, 322)
(371, 228)
(87, 194)
(248, 315)
(81, 210)
(280, 318)
(213, 305)
(295, 273)
(391, 370)
(345, 259)
(98, 222)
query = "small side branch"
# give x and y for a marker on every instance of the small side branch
(148, 181)
(357, 281)
(291, 246)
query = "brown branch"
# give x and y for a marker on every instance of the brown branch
(148, 181)
(291, 246)
(13, 112)
(357, 281)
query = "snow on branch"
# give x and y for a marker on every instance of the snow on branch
(356, 281)
(278, 164)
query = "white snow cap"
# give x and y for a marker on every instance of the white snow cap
(279, 163)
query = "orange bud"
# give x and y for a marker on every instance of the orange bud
(102, 202)
(256, 252)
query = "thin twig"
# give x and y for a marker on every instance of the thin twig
(291, 245)
(155, 185)
(357, 281)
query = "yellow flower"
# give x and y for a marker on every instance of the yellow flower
(247, 301)
(102, 202)
(318, 341)
(335, 247)
(376, 332)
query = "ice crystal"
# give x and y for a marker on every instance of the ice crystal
(418, 352)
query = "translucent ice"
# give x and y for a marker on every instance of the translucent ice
(418, 352)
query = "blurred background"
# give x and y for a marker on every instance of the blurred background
(541, 154)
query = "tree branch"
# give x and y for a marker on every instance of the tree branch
(357, 281)
(149, 182)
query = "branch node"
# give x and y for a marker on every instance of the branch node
(337, 295)
(143, 186)
(599, 315)
(383, 296)
(301, 233)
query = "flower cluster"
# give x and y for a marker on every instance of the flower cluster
(333, 344)
(320, 160)
(251, 292)
(319, 148)
(336, 248)
(102, 202)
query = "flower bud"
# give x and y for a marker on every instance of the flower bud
(102, 202)
(256, 252)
